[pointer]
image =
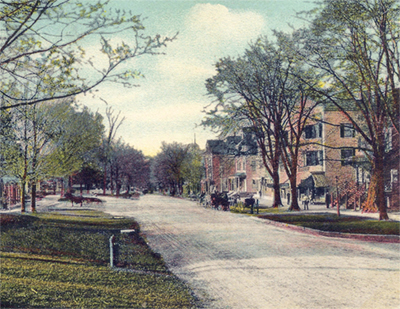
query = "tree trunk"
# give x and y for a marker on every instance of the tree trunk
(277, 192)
(378, 171)
(23, 192)
(293, 190)
(105, 180)
(33, 196)
(111, 181)
(117, 182)
(62, 187)
(69, 184)
(376, 191)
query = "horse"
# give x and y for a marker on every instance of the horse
(219, 200)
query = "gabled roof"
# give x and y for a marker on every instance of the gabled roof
(234, 145)
(216, 146)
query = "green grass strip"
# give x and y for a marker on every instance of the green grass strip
(343, 224)
(60, 260)
(29, 283)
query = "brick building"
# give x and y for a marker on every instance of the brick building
(331, 161)
(234, 164)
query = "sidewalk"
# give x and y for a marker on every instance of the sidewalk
(267, 201)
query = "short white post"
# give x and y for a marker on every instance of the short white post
(112, 239)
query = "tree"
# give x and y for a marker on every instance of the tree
(168, 168)
(250, 92)
(52, 64)
(89, 175)
(107, 146)
(260, 89)
(193, 168)
(49, 140)
(130, 167)
(298, 103)
(355, 44)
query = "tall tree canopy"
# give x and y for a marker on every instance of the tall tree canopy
(355, 44)
(169, 166)
(260, 89)
(50, 139)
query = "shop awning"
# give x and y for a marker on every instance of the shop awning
(320, 180)
(307, 183)
(240, 175)
(317, 180)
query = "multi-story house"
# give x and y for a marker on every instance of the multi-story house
(330, 158)
(234, 164)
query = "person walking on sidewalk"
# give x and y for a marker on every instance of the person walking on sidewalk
(327, 199)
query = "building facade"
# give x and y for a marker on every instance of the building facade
(332, 161)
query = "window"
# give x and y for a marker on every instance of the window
(314, 158)
(347, 130)
(347, 156)
(388, 139)
(313, 131)
(394, 176)
(253, 165)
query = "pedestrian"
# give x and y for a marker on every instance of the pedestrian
(327, 199)
(305, 202)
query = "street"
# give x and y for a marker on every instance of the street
(236, 261)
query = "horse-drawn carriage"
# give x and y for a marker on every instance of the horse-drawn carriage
(224, 200)
(219, 201)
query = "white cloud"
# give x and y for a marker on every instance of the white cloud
(211, 32)
(216, 26)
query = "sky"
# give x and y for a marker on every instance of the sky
(168, 104)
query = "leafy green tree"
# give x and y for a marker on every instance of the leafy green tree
(54, 64)
(88, 176)
(355, 44)
(193, 169)
(48, 140)
(129, 167)
(261, 90)
(169, 164)
(75, 142)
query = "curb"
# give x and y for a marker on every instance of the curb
(363, 237)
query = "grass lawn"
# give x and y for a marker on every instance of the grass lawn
(61, 260)
(333, 223)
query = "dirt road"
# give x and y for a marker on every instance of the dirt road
(234, 261)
